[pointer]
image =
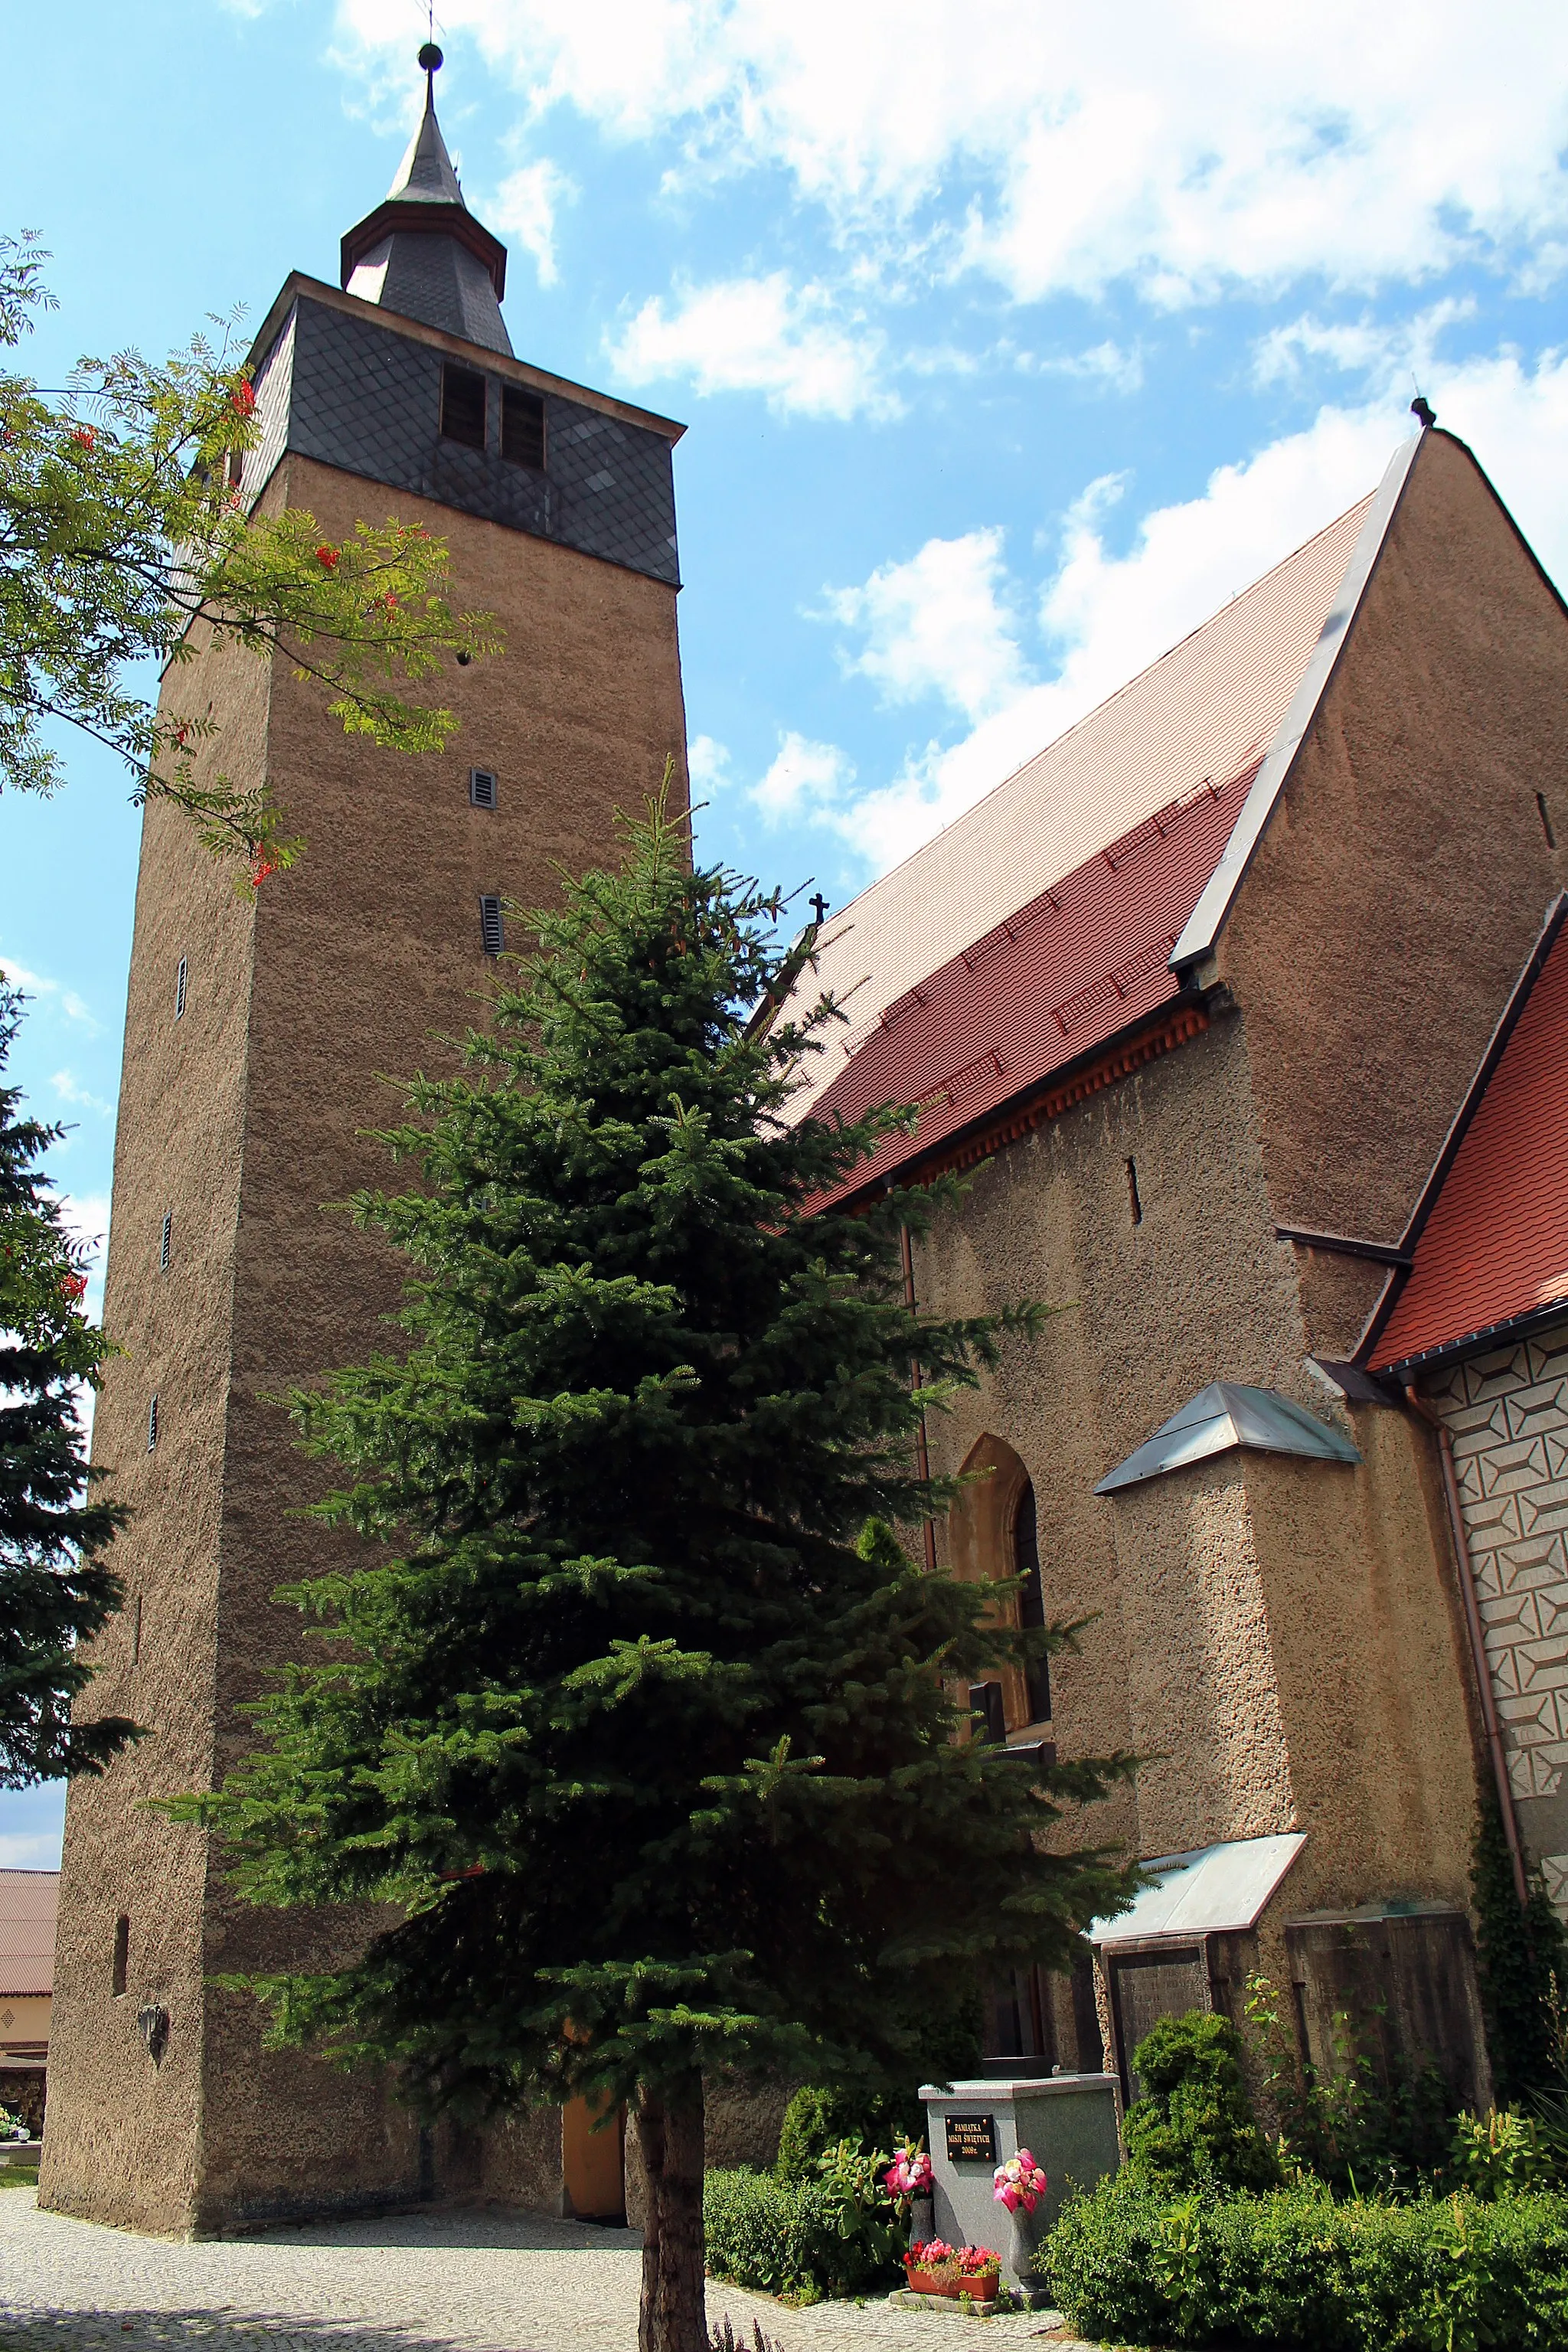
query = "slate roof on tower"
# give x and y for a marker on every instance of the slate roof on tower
(422, 253)
(1489, 1239)
(1061, 912)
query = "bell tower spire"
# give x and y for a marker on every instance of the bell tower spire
(421, 252)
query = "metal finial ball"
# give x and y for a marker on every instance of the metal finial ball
(430, 58)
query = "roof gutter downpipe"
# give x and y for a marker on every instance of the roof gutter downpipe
(1477, 1644)
(922, 1458)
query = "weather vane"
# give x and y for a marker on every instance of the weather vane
(429, 55)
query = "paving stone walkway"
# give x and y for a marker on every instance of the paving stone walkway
(474, 2280)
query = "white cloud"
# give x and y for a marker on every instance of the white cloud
(759, 334)
(524, 209)
(39, 1850)
(1104, 615)
(1105, 364)
(68, 1090)
(805, 779)
(936, 625)
(37, 985)
(708, 766)
(1058, 147)
(1388, 354)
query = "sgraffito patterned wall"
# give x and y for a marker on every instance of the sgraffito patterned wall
(1509, 1415)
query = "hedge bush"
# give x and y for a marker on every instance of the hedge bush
(1193, 2127)
(1294, 2269)
(785, 2237)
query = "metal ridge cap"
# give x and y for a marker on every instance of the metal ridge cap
(1208, 917)
(1508, 1329)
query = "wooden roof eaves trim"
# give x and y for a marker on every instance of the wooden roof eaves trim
(1519, 997)
(1147, 1039)
(1209, 916)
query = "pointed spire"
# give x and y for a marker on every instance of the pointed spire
(426, 174)
(422, 253)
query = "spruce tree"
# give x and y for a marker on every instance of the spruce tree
(641, 1712)
(55, 1589)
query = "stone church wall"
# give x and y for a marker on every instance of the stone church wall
(1275, 1636)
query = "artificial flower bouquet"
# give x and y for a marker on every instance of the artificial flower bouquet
(1020, 2182)
(933, 2267)
(909, 2174)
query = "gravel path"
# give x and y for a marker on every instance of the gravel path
(502, 2281)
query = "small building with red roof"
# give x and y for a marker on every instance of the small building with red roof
(29, 1900)
(1475, 1319)
(1188, 1005)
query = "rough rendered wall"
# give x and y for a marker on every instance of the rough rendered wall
(352, 966)
(124, 2138)
(1273, 1635)
(367, 953)
(1404, 876)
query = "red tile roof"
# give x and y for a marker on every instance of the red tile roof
(27, 1903)
(1220, 702)
(1490, 1238)
(1063, 974)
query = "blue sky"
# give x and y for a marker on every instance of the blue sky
(1013, 339)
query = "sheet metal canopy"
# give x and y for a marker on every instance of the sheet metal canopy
(1218, 1890)
(1223, 1416)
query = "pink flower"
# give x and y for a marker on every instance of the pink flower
(1019, 2182)
(909, 2174)
(973, 2262)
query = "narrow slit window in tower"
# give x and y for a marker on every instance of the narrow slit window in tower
(180, 989)
(1545, 820)
(482, 788)
(1133, 1199)
(523, 427)
(166, 1242)
(136, 1631)
(120, 1966)
(1032, 1598)
(463, 406)
(492, 937)
(152, 1422)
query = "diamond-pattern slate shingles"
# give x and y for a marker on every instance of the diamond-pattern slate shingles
(1507, 1413)
(367, 399)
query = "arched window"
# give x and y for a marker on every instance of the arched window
(993, 1538)
(1031, 1598)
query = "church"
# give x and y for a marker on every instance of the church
(1229, 1006)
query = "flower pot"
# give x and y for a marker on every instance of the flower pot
(979, 2284)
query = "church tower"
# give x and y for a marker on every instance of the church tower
(259, 1040)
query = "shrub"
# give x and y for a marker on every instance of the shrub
(1501, 2153)
(1193, 2128)
(814, 2122)
(1377, 2120)
(1521, 1960)
(1296, 2270)
(801, 2238)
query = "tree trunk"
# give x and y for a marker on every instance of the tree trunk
(673, 2317)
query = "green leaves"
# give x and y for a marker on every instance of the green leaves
(126, 535)
(55, 1590)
